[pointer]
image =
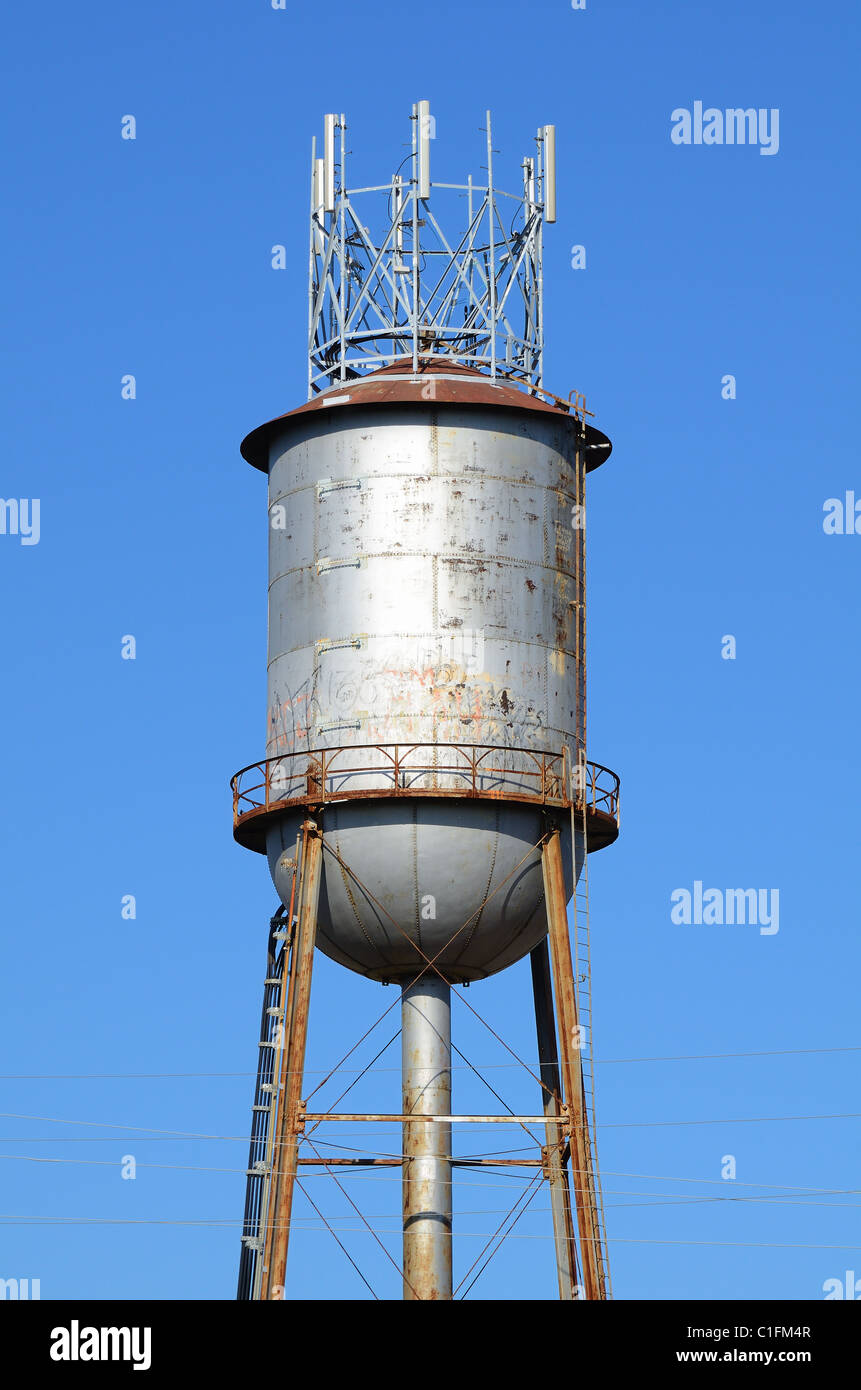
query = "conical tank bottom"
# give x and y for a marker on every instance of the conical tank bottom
(456, 882)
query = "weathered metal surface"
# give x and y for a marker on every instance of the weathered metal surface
(441, 383)
(457, 882)
(396, 1162)
(328, 1162)
(434, 1118)
(422, 584)
(425, 589)
(426, 1071)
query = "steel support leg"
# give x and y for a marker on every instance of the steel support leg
(426, 1060)
(295, 1024)
(591, 1254)
(554, 1160)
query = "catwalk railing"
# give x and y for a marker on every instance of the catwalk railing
(423, 769)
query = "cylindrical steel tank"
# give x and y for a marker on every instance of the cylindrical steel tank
(424, 601)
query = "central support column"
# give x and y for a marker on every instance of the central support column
(426, 1061)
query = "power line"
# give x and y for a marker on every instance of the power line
(722, 1182)
(744, 1120)
(752, 1244)
(218, 1224)
(726, 1056)
(491, 1066)
(116, 1075)
(775, 1197)
(118, 1163)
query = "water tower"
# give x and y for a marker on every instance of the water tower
(426, 803)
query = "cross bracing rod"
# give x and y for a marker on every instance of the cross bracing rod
(448, 1119)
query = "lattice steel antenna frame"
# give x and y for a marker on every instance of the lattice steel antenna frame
(391, 285)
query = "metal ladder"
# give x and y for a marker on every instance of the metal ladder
(582, 960)
(580, 927)
(259, 1170)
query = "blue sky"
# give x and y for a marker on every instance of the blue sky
(152, 257)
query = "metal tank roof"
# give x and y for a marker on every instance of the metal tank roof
(397, 384)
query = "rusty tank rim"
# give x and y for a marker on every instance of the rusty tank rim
(265, 804)
(453, 385)
(250, 829)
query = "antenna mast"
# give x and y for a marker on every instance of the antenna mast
(386, 283)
